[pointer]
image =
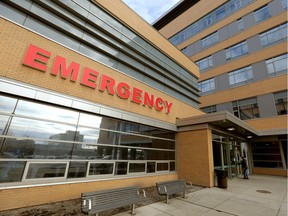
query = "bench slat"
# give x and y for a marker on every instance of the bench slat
(98, 201)
(172, 187)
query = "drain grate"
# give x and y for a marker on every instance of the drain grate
(263, 191)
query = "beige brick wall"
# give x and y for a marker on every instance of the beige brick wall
(14, 43)
(31, 196)
(195, 157)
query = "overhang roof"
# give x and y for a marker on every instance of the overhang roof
(226, 122)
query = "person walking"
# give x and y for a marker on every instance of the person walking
(244, 166)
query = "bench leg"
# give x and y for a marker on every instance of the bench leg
(133, 209)
(184, 194)
(167, 198)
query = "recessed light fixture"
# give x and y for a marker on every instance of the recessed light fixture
(249, 137)
(230, 128)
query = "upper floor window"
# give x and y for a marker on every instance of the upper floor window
(274, 35)
(187, 50)
(262, 13)
(240, 24)
(207, 85)
(277, 65)
(241, 76)
(209, 109)
(236, 50)
(205, 63)
(281, 102)
(205, 22)
(246, 109)
(209, 40)
(284, 3)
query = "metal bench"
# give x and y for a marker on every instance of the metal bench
(172, 187)
(99, 201)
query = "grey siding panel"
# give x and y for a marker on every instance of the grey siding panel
(249, 20)
(223, 82)
(254, 44)
(223, 33)
(266, 105)
(276, 7)
(232, 29)
(197, 47)
(260, 71)
(219, 58)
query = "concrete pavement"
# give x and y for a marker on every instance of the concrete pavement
(259, 196)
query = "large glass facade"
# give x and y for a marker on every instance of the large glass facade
(39, 141)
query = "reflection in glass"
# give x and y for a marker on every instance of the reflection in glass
(97, 121)
(49, 170)
(151, 167)
(3, 124)
(7, 104)
(11, 171)
(101, 168)
(277, 65)
(96, 136)
(77, 170)
(172, 166)
(136, 167)
(22, 127)
(121, 168)
(52, 113)
(162, 166)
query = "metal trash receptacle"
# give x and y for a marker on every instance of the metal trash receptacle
(221, 178)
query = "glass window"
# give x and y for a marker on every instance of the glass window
(207, 85)
(210, 109)
(209, 40)
(162, 166)
(281, 102)
(7, 104)
(236, 50)
(77, 170)
(275, 35)
(11, 171)
(35, 149)
(240, 24)
(277, 65)
(52, 113)
(246, 109)
(267, 155)
(101, 168)
(205, 63)
(121, 168)
(137, 167)
(262, 14)
(151, 167)
(23, 127)
(172, 166)
(46, 170)
(216, 15)
(241, 76)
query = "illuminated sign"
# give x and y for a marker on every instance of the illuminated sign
(38, 58)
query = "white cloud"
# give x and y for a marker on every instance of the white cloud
(150, 10)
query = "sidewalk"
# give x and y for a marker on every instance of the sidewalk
(260, 195)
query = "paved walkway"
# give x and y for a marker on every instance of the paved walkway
(260, 195)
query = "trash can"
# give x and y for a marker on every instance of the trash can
(221, 178)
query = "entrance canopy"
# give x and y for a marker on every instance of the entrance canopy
(222, 121)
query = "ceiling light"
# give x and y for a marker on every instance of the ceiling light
(249, 137)
(230, 128)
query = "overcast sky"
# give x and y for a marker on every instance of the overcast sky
(150, 10)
